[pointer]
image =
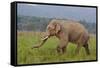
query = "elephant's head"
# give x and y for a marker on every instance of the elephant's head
(53, 28)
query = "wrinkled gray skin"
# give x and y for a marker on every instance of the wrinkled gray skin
(67, 31)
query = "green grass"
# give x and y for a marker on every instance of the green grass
(47, 53)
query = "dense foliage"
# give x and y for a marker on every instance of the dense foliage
(33, 23)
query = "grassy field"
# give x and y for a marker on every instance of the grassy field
(47, 53)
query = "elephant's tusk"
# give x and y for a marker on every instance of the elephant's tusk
(45, 38)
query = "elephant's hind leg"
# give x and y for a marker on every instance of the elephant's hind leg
(77, 49)
(86, 46)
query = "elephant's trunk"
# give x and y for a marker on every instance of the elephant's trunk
(41, 43)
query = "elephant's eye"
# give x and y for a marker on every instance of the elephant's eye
(49, 28)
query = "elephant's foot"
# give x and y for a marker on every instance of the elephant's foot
(60, 50)
(86, 49)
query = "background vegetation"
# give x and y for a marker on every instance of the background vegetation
(33, 23)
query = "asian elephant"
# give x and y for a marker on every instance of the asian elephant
(67, 31)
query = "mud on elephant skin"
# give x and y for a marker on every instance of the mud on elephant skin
(67, 31)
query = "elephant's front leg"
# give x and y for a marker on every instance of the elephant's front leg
(61, 48)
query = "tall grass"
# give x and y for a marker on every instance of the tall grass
(47, 53)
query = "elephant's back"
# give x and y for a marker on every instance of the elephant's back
(75, 30)
(74, 26)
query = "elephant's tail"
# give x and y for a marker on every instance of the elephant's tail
(89, 40)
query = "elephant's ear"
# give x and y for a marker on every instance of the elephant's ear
(58, 28)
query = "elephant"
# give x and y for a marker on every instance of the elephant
(67, 31)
